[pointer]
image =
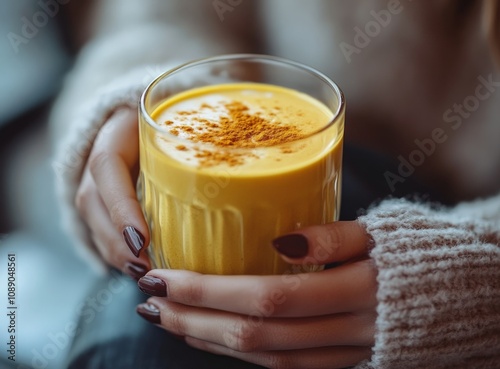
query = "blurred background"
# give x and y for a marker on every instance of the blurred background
(36, 52)
(34, 57)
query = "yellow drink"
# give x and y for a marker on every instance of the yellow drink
(236, 150)
(214, 207)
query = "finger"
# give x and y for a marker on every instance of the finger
(348, 288)
(317, 358)
(114, 157)
(255, 333)
(108, 240)
(322, 244)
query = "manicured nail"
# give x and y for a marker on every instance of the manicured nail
(293, 246)
(153, 286)
(136, 271)
(134, 240)
(149, 312)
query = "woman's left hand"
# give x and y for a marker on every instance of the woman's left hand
(312, 320)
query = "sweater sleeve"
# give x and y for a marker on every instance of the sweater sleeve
(438, 285)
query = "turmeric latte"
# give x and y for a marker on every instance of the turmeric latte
(227, 168)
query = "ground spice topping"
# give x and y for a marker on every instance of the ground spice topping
(240, 128)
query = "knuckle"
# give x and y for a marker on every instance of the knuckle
(243, 336)
(175, 321)
(194, 294)
(269, 302)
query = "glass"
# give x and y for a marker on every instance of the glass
(221, 219)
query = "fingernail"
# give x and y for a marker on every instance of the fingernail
(153, 286)
(293, 246)
(136, 271)
(134, 240)
(149, 312)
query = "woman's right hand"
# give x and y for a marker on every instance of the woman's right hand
(106, 198)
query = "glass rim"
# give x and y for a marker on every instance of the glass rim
(243, 57)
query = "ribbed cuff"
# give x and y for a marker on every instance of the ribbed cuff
(438, 288)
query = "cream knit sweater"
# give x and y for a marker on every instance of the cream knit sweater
(438, 268)
(438, 284)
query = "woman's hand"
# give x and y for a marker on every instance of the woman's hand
(106, 198)
(313, 320)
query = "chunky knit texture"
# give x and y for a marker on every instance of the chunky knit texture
(439, 285)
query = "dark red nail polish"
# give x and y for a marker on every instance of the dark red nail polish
(293, 246)
(153, 286)
(136, 271)
(149, 312)
(134, 240)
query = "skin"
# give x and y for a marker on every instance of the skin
(274, 321)
(106, 198)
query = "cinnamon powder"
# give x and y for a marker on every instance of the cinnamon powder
(239, 129)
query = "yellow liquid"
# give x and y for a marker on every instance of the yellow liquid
(220, 218)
